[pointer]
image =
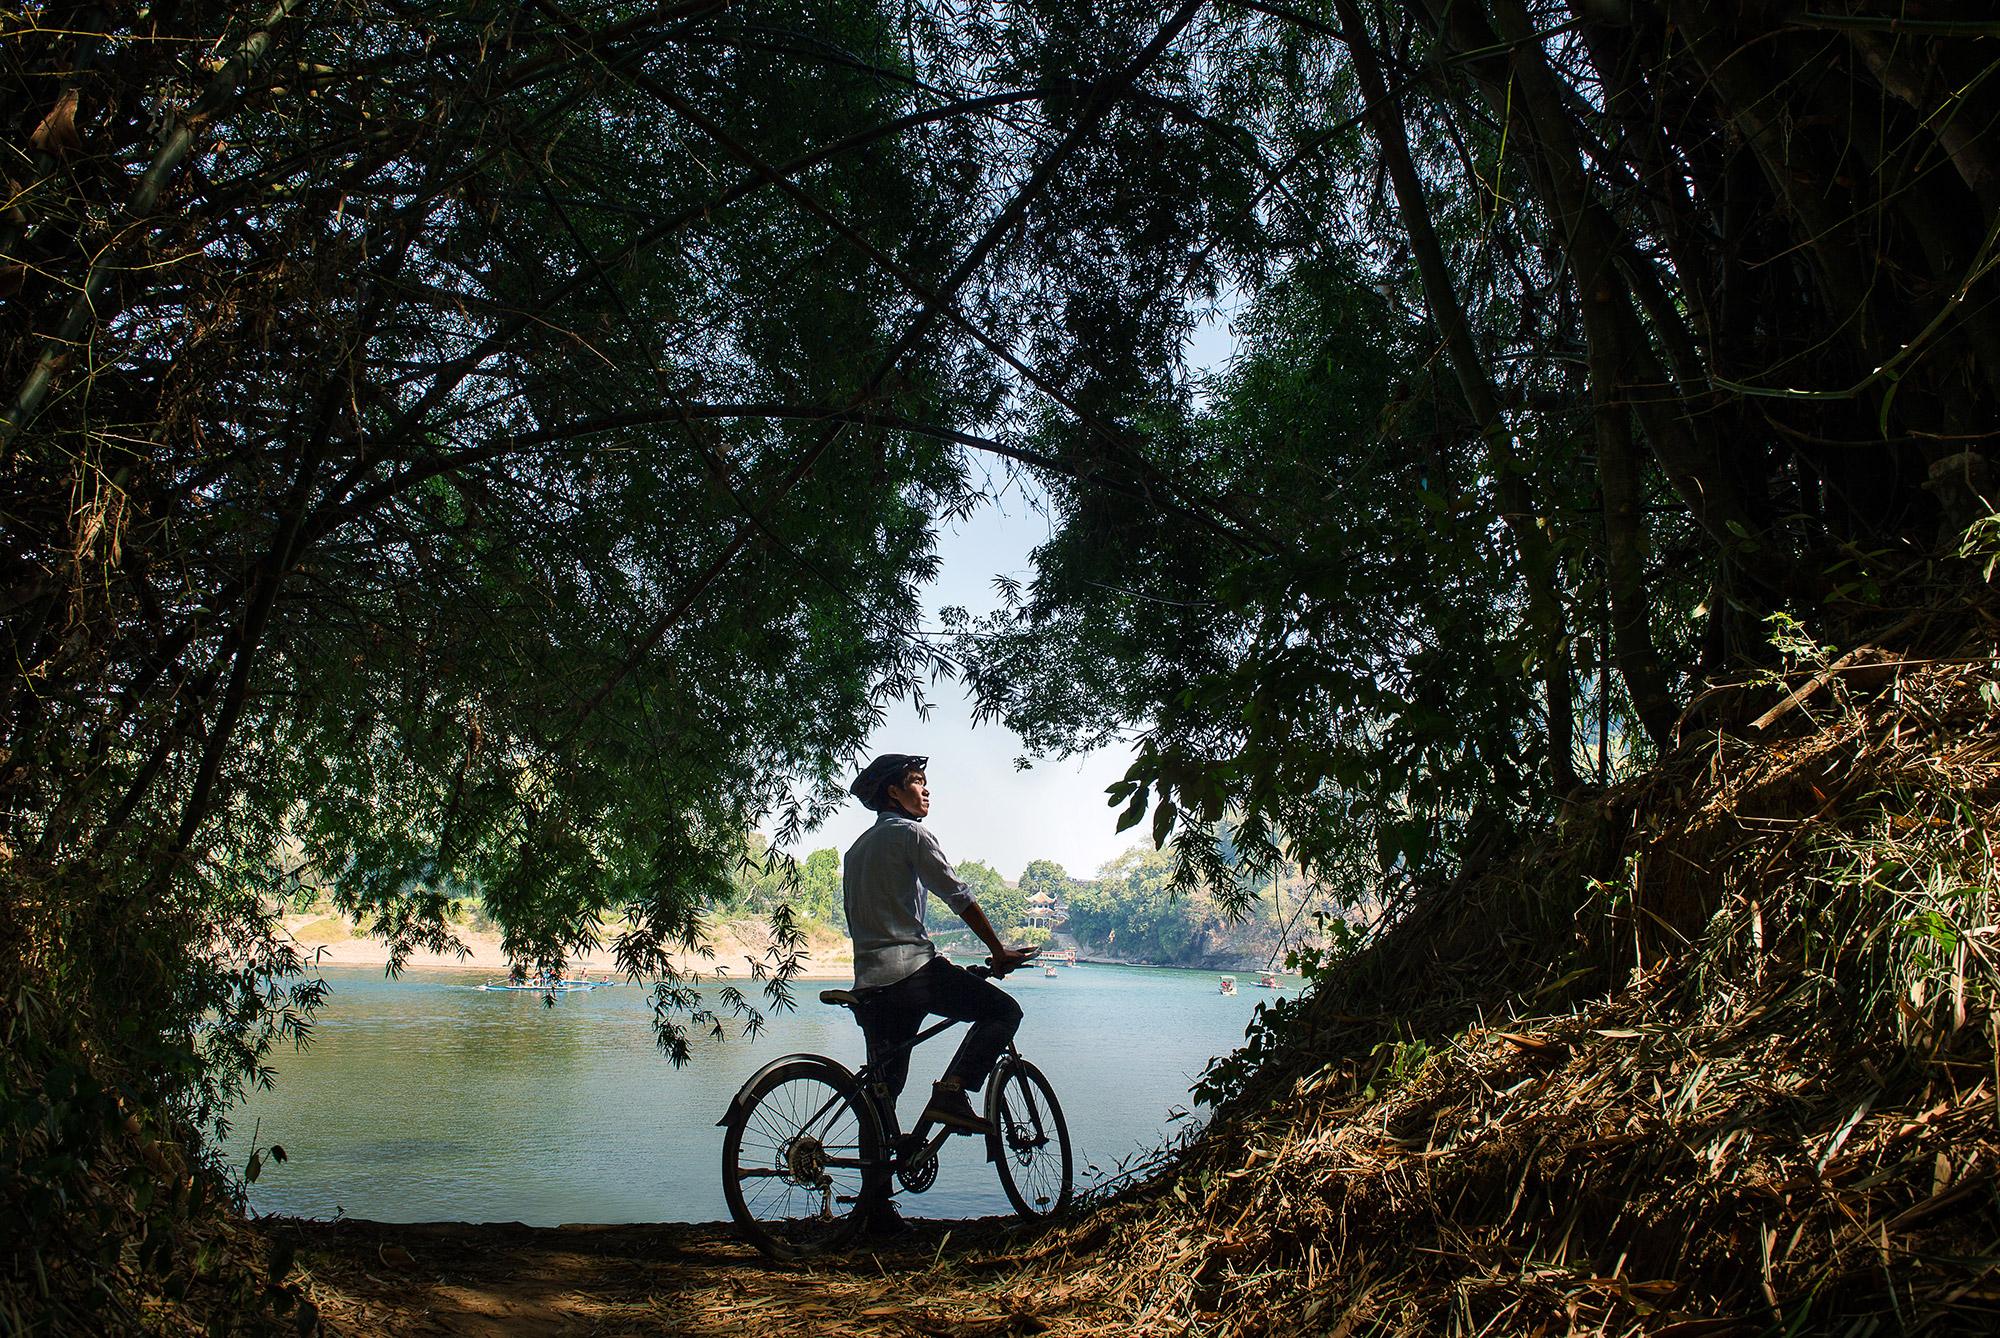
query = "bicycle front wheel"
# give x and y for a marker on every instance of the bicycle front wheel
(1029, 1142)
(797, 1160)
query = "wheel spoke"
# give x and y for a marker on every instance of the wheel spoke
(797, 1161)
(1030, 1142)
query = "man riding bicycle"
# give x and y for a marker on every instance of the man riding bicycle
(813, 1151)
(898, 976)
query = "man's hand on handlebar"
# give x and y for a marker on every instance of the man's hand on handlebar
(1007, 959)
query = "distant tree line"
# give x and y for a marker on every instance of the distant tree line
(810, 888)
(1132, 910)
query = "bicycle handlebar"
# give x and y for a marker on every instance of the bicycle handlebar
(981, 971)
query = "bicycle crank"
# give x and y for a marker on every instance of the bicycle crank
(917, 1167)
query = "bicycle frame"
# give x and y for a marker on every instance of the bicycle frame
(867, 1078)
(809, 1154)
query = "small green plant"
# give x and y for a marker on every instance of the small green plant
(1791, 639)
(1400, 1061)
(1339, 939)
(260, 1157)
(1981, 543)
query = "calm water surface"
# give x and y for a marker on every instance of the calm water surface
(426, 1099)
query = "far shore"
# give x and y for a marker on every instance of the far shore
(326, 939)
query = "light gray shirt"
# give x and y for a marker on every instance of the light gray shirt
(882, 884)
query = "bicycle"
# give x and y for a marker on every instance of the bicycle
(819, 1139)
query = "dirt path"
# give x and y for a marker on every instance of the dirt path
(489, 1281)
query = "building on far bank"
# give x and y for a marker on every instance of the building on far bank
(1046, 912)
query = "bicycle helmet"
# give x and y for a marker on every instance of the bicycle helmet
(872, 785)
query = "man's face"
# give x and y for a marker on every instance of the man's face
(913, 796)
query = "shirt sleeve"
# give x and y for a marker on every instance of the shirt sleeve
(935, 872)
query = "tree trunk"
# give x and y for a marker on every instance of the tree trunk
(1531, 540)
(1625, 570)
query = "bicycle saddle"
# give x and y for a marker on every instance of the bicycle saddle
(845, 998)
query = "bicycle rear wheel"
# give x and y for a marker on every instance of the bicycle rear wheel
(1029, 1143)
(797, 1160)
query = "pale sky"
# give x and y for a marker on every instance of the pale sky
(981, 807)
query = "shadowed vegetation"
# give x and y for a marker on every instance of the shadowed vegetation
(497, 449)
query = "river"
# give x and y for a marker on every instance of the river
(427, 1099)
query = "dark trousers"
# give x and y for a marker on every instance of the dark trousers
(892, 1015)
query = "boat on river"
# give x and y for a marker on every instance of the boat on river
(1269, 980)
(551, 986)
(1227, 985)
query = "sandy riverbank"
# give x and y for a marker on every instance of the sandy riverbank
(330, 940)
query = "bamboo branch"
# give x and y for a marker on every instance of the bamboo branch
(85, 311)
(1889, 23)
(949, 309)
(1095, 104)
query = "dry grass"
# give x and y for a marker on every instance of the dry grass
(1721, 1059)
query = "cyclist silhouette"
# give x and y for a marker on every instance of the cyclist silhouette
(899, 979)
(813, 1151)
